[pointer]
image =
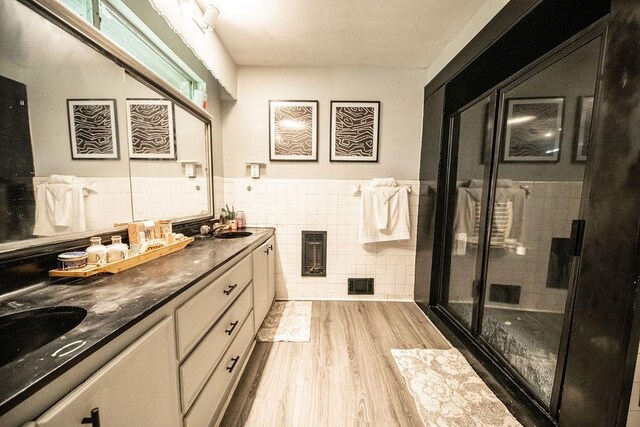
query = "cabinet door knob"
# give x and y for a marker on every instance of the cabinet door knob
(270, 247)
(234, 360)
(94, 419)
(230, 289)
(233, 326)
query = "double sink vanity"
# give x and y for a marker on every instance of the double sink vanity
(162, 344)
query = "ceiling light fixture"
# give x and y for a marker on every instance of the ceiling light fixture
(209, 18)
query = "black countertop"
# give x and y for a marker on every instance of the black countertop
(114, 304)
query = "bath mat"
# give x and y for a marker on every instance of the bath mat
(287, 321)
(448, 392)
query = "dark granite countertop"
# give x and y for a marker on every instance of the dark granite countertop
(114, 304)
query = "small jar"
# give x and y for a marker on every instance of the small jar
(72, 260)
(241, 219)
(97, 252)
(233, 224)
(117, 251)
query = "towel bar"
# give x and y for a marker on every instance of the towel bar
(358, 188)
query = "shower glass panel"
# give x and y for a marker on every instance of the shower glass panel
(544, 138)
(468, 133)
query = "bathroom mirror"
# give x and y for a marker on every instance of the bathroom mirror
(65, 140)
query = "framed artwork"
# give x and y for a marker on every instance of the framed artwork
(93, 129)
(354, 131)
(151, 129)
(293, 130)
(584, 133)
(533, 130)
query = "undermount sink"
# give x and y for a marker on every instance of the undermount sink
(26, 331)
(233, 234)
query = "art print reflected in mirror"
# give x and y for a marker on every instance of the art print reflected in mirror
(65, 138)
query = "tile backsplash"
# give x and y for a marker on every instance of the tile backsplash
(293, 205)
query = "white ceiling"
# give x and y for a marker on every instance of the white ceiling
(379, 33)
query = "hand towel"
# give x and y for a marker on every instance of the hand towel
(59, 211)
(397, 214)
(382, 197)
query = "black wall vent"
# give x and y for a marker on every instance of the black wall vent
(509, 294)
(360, 286)
(314, 253)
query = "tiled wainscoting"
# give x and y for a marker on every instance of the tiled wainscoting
(548, 213)
(293, 205)
(110, 201)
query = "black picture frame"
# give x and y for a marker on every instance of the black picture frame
(355, 131)
(151, 129)
(293, 130)
(533, 129)
(93, 129)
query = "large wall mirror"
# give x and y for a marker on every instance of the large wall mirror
(84, 145)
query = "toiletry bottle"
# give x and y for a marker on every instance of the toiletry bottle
(117, 250)
(241, 219)
(97, 252)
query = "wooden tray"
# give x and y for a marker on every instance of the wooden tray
(125, 264)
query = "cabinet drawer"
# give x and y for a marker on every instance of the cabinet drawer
(208, 404)
(203, 359)
(197, 315)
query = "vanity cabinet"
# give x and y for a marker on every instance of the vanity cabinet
(264, 279)
(137, 388)
(215, 333)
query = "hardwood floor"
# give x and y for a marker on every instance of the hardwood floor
(344, 376)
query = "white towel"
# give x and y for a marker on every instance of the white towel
(62, 179)
(59, 209)
(381, 206)
(383, 182)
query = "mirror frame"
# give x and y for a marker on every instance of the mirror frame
(67, 20)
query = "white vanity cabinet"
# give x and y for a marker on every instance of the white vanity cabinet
(137, 388)
(264, 280)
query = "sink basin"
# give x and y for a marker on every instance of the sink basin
(25, 331)
(233, 234)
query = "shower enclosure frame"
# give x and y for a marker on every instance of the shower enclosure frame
(445, 208)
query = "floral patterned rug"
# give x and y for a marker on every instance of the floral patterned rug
(287, 321)
(448, 392)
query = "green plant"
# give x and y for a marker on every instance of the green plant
(231, 213)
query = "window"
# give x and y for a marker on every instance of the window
(124, 28)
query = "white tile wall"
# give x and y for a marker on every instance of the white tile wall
(111, 202)
(169, 197)
(548, 214)
(153, 198)
(293, 205)
(218, 194)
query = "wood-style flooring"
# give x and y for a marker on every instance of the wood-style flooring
(344, 376)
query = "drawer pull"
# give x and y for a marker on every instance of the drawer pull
(233, 326)
(234, 360)
(270, 247)
(230, 289)
(94, 419)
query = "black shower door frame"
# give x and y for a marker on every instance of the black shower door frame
(445, 210)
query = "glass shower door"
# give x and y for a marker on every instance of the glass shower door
(540, 173)
(470, 129)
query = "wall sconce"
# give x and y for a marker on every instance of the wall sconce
(189, 167)
(255, 168)
(209, 18)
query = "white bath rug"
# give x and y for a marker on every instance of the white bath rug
(287, 321)
(448, 392)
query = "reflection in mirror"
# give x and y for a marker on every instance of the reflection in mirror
(169, 159)
(63, 167)
(68, 115)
